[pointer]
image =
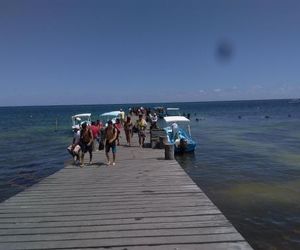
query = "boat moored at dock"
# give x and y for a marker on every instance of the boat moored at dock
(79, 119)
(178, 132)
(112, 115)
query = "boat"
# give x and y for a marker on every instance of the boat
(162, 112)
(172, 112)
(112, 115)
(178, 132)
(79, 119)
(159, 111)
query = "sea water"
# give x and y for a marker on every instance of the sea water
(247, 159)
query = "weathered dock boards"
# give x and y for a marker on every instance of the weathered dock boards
(144, 202)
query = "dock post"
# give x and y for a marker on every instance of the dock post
(162, 141)
(169, 151)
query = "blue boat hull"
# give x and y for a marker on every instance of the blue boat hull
(183, 143)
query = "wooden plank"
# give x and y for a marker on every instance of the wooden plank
(108, 205)
(120, 241)
(126, 221)
(118, 227)
(203, 246)
(108, 192)
(110, 216)
(102, 211)
(117, 234)
(104, 205)
(118, 199)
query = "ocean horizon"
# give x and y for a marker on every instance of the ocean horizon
(143, 103)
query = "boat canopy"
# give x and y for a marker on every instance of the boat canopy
(79, 119)
(112, 113)
(172, 108)
(181, 121)
(172, 119)
(167, 121)
(81, 115)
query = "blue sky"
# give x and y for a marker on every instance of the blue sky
(93, 52)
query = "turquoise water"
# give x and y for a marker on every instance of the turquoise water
(248, 164)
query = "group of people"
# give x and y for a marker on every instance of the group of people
(83, 141)
(86, 138)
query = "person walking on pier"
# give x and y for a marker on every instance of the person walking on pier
(111, 134)
(141, 125)
(96, 134)
(122, 116)
(128, 130)
(118, 126)
(86, 143)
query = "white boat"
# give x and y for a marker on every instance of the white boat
(162, 111)
(172, 112)
(178, 132)
(113, 116)
(79, 119)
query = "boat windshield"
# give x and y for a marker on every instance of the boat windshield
(172, 112)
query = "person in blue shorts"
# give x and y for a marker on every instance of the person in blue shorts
(111, 134)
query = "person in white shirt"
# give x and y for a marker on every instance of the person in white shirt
(174, 127)
(154, 119)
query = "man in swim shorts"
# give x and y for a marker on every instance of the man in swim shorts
(86, 143)
(111, 134)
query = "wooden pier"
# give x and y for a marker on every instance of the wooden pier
(144, 202)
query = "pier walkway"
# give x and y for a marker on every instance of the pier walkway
(144, 202)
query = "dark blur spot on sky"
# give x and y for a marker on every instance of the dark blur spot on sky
(224, 51)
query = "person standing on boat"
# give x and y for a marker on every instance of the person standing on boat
(141, 125)
(86, 143)
(111, 134)
(174, 127)
(154, 120)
